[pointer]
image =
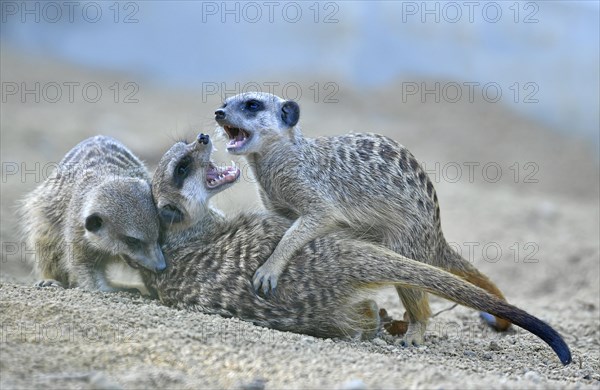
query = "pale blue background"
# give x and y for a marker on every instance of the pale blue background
(369, 46)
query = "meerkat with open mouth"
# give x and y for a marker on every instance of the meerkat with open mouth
(366, 183)
(326, 288)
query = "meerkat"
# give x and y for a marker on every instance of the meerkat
(326, 288)
(367, 183)
(96, 208)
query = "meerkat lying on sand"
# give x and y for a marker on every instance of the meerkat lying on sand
(325, 289)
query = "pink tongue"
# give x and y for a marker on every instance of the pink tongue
(234, 143)
(212, 175)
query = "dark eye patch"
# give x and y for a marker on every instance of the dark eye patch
(182, 171)
(132, 242)
(254, 105)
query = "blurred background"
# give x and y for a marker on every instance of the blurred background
(499, 101)
(550, 45)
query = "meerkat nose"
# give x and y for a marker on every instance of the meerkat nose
(203, 139)
(220, 114)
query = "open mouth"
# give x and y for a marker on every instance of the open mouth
(237, 137)
(217, 177)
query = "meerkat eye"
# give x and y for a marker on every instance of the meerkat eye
(93, 223)
(254, 105)
(182, 170)
(183, 167)
(132, 242)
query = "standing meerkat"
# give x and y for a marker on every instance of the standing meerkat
(94, 209)
(367, 183)
(326, 288)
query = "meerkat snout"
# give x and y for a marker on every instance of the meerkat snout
(129, 228)
(147, 256)
(203, 139)
(185, 177)
(220, 114)
(253, 120)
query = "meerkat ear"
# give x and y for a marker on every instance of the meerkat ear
(290, 113)
(93, 223)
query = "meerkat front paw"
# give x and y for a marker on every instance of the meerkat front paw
(415, 334)
(266, 276)
(48, 283)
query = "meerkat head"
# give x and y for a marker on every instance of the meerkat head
(186, 179)
(254, 119)
(120, 218)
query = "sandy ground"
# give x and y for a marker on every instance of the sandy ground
(534, 231)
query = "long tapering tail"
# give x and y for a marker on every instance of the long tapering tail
(464, 269)
(391, 268)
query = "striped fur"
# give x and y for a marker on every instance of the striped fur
(326, 287)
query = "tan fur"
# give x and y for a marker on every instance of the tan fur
(94, 210)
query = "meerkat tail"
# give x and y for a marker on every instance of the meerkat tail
(391, 268)
(480, 280)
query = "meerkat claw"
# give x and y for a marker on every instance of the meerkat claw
(265, 287)
(273, 282)
(48, 283)
(409, 343)
(257, 281)
(414, 334)
(267, 279)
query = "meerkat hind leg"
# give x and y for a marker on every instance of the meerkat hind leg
(369, 321)
(416, 303)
